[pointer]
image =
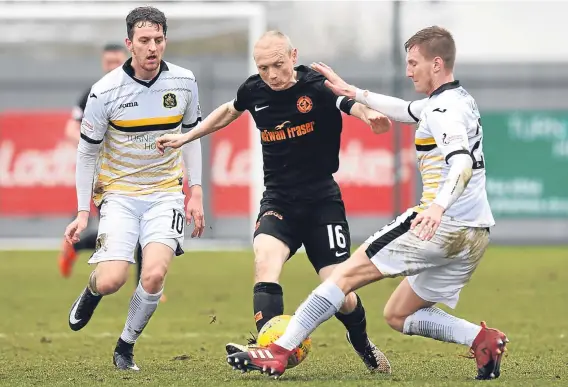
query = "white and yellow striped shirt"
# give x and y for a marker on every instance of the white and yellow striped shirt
(125, 115)
(450, 124)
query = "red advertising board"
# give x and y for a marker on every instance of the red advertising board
(365, 174)
(37, 167)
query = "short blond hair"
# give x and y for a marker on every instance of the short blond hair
(434, 41)
(279, 35)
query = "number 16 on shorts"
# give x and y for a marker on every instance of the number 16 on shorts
(336, 237)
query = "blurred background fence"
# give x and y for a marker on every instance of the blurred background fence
(516, 73)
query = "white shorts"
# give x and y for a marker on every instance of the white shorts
(125, 220)
(437, 269)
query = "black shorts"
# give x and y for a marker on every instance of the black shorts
(321, 226)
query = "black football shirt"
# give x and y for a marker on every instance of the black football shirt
(300, 129)
(79, 108)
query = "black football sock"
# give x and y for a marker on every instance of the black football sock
(268, 302)
(123, 347)
(356, 325)
(88, 242)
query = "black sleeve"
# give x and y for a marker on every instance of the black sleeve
(342, 103)
(79, 108)
(242, 100)
(345, 104)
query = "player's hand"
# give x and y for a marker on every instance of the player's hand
(194, 210)
(169, 141)
(334, 81)
(378, 122)
(76, 227)
(427, 222)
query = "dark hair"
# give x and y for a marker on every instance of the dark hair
(434, 41)
(114, 47)
(141, 15)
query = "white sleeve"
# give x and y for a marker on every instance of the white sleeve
(450, 132)
(93, 128)
(192, 114)
(394, 108)
(192, 160)
(191, 151)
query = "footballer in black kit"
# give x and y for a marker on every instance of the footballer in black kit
(300, 124)
(301, 136)
(300, 130)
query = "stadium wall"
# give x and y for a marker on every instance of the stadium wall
(527, 151)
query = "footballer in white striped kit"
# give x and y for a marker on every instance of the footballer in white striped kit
(139, 190)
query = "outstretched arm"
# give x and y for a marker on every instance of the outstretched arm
(218, 119)
(395, 108)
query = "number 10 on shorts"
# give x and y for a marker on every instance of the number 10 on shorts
(178, 222)
(336, 237)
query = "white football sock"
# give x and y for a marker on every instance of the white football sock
(439, 325)
(142, 307)
(320, 306)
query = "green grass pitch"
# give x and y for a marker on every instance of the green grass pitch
(521, 290)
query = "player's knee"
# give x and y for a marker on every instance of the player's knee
(394, 318)
(349, 304)
(354, 273)
(269, 256)
(267, 269)
(109, 283)
(153, 279)
(108, 277)
(156, 260)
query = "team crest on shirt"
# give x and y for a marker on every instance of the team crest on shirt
(170, 100)
(304, 104)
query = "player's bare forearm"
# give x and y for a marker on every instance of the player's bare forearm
(194, 210)
(196, 191)
(83, 215)
(378, 122)
(218, 119)
(358, 110)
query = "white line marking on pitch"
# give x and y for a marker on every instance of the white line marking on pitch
(235, 336)
(99, 335)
